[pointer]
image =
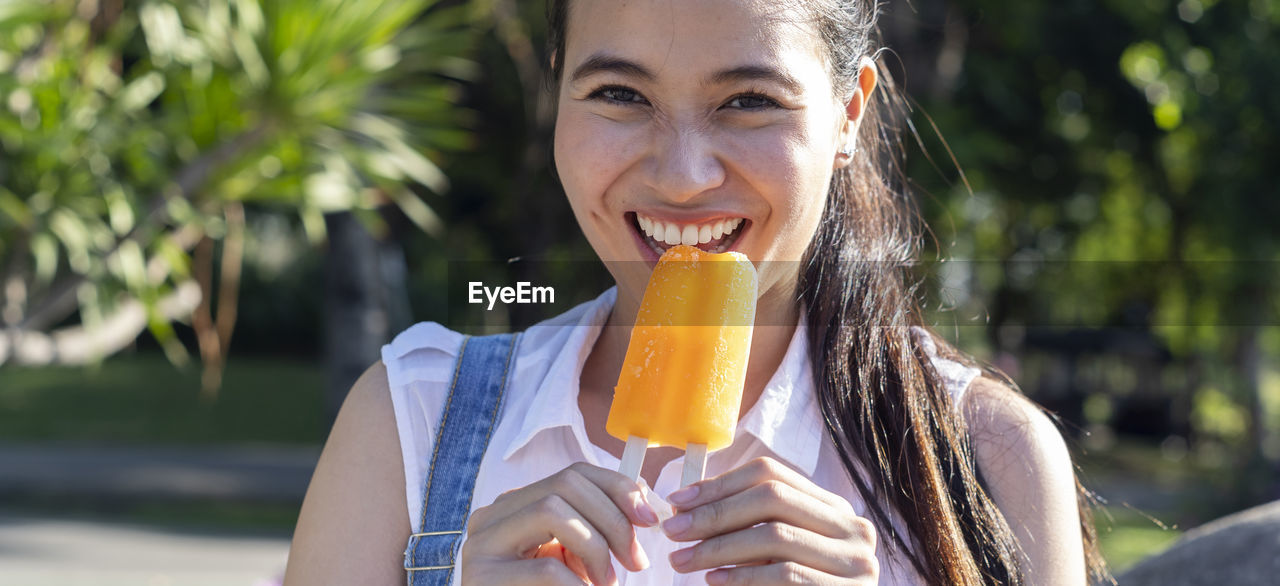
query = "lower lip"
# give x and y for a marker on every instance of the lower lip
(651, 256)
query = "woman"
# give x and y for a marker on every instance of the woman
(868, 450)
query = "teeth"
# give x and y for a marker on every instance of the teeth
(672, 234)
(689, 236)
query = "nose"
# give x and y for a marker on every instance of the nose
(684, 163)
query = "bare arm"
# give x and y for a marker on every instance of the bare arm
(354, 522)
(1028, 470)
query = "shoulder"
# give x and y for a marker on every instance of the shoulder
(1027, 468)
(1007, 428)
(353, 523)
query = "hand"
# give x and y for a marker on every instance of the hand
(775, 526)
(558, 530)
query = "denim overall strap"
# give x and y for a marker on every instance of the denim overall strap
(470, 413)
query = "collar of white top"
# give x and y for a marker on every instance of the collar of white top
(785, 420)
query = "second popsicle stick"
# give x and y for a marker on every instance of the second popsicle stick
(695, 463)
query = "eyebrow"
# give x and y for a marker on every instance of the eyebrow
(601, 63)
(757, 73)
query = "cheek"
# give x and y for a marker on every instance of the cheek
(590, 154)
(785, 165)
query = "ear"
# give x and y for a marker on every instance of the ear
(862, 93)
(857, 105)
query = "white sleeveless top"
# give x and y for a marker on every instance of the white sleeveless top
(540, 429)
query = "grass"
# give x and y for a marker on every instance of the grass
(143, 399)
(1126, 537)
(202, 515)
(1155, 495)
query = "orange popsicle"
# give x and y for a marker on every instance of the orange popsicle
(681, 381)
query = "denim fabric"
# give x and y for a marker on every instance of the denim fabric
(470, 413)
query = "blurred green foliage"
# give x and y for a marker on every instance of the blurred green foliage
(1119, 132)
(1120, 175)
(128, 131)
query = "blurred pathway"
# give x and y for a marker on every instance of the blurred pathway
(47, 552)
(236, 473)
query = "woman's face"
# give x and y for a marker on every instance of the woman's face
(707, 122)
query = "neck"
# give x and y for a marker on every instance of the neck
(775, 324)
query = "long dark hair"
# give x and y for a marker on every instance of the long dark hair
(892, 421)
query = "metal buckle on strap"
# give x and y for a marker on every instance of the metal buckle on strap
(432, 550)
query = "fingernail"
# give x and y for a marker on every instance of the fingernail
(645, 512)
(684, 495)
(681, 557)
(677, 524)
(717, 577)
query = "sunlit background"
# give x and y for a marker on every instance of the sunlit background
(214, 212)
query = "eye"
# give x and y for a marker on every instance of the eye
(752, 101)
(616, 94)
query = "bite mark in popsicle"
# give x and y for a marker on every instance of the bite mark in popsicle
(686, 363)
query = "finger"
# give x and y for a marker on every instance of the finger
(548, 519)
(752, 473)
(596, 494)
(534, 572)
(554, 549)
(625, 494)
(781, 573)
(777, 542)
(772, 500)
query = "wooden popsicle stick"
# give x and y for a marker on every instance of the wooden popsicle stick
(695, 462)
(633, 457)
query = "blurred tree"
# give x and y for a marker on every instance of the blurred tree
(134, 133)
(1128, 149)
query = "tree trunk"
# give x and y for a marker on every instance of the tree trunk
(366, 303)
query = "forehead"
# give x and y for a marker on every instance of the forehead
(686, 38)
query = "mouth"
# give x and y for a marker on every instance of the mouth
(714, 235)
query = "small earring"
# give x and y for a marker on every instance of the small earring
(848, 151)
